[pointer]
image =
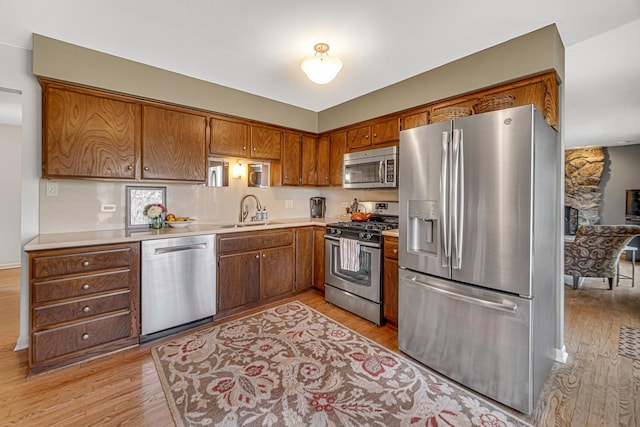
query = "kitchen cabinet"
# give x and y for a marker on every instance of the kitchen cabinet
(323, 160)
(414, 120)
(292, 159)
(173, 144)
(84, 302)
(378, 132)
(87, 135)
(304, 258)
(254, 267)
(266, 142)
(310, 160)
(318, 257)
(228, 137)
(390, 281)
(337, 149)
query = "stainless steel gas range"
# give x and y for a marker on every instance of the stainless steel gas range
(353, 261)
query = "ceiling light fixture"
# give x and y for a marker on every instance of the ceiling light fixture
(321, 68)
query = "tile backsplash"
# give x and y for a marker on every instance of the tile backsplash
(77, 205)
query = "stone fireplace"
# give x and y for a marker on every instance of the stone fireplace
(583, 170)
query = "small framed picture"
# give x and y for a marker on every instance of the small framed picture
(137, 198)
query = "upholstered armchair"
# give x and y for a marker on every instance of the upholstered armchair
(596, 250)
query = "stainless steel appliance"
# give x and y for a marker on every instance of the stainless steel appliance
(371, 168)
(358, 289)
(178, 284)
(217, 173)
(258, 175)
(318, 207)
(479, 226)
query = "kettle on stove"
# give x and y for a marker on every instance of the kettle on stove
(317, 206)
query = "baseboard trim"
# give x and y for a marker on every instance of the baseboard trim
(9, 266)
(561, 354)
(22, 343)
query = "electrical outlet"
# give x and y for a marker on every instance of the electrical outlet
(344, 204)
(107, 208)
(288, 204)
(52, 188)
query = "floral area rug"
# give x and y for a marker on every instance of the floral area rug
(293, 366)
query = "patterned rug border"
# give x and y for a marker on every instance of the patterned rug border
(423, 369)
(629, 346)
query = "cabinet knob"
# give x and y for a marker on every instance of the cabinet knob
(257, 256)
(85, 286)
(255, 149)
(395, 251)
(130, 167)
(286, 177)
(366, 137)
(85, 264)
(375, 135)
(146, 168)
(244, 148)
(264, 255)
(86, 309)
(85, 336)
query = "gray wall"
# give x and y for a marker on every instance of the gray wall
(10, 171)
(622, 166)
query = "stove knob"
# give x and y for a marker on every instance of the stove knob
(361, 235)
(369, 236)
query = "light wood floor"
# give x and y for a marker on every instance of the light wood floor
(596, 387)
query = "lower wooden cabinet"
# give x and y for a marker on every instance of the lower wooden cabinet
(390, 281)
(83, 302)
(304, 258)
(318, 257)
(254, 267)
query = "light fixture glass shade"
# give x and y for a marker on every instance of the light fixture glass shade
(321, 68)
(238, 170)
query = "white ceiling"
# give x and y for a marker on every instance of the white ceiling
(257, 46)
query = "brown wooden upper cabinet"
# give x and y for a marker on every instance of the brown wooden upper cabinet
(323, 156)
(266, 142)
(337, 150)
(229, 137)
(87, 135)
(414, 120)
(309, 160)
(173, 144)
(380, 132)
(292, 159)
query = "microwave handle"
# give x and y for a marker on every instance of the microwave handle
(381, 170)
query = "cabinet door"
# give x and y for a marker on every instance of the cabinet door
(89, 136)
(238, 280)
(291, 158)
(266, 143)
(309, 160)
(358, 137)
(304, 258)
(318, 257)
(390, 281)
(229, 138)
(276, 271)
(338, 148)
(324, 154)
(415, 120)
(173, 145)
(385, 131)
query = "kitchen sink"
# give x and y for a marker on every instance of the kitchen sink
(249, 224)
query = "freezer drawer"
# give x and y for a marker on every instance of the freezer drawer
(477, 337)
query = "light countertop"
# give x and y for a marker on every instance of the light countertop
(104, 237)
(390, 233)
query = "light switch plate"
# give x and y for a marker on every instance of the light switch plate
(288, 204)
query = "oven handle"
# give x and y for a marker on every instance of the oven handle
(371, 245)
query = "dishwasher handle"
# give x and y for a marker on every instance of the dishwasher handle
(171, 249)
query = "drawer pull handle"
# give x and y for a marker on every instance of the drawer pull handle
(86, 309)
(85, 336)
(85, 286)
(85, 264)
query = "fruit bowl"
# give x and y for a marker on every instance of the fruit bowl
(179, 224)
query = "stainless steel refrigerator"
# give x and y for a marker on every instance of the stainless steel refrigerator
(478, 253)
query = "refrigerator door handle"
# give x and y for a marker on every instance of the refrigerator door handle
(455, 174)
(458, 198)
(505, 305)
(444, 201)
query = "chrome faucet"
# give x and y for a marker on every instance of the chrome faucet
(244, 211)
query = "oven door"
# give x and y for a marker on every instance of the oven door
(366, 281)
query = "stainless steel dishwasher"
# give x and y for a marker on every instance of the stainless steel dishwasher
(178, 284)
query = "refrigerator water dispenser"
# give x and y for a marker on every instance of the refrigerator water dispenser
(423, 227)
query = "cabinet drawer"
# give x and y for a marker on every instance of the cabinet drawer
(81, 262)
(391, 248)
(79, 309)
(80, 286)
(68, 339)
(246, 242)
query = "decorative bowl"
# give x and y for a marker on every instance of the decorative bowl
(179, 224)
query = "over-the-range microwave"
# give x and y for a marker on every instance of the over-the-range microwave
(376, 168)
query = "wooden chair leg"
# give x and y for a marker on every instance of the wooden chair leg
(610, 283)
